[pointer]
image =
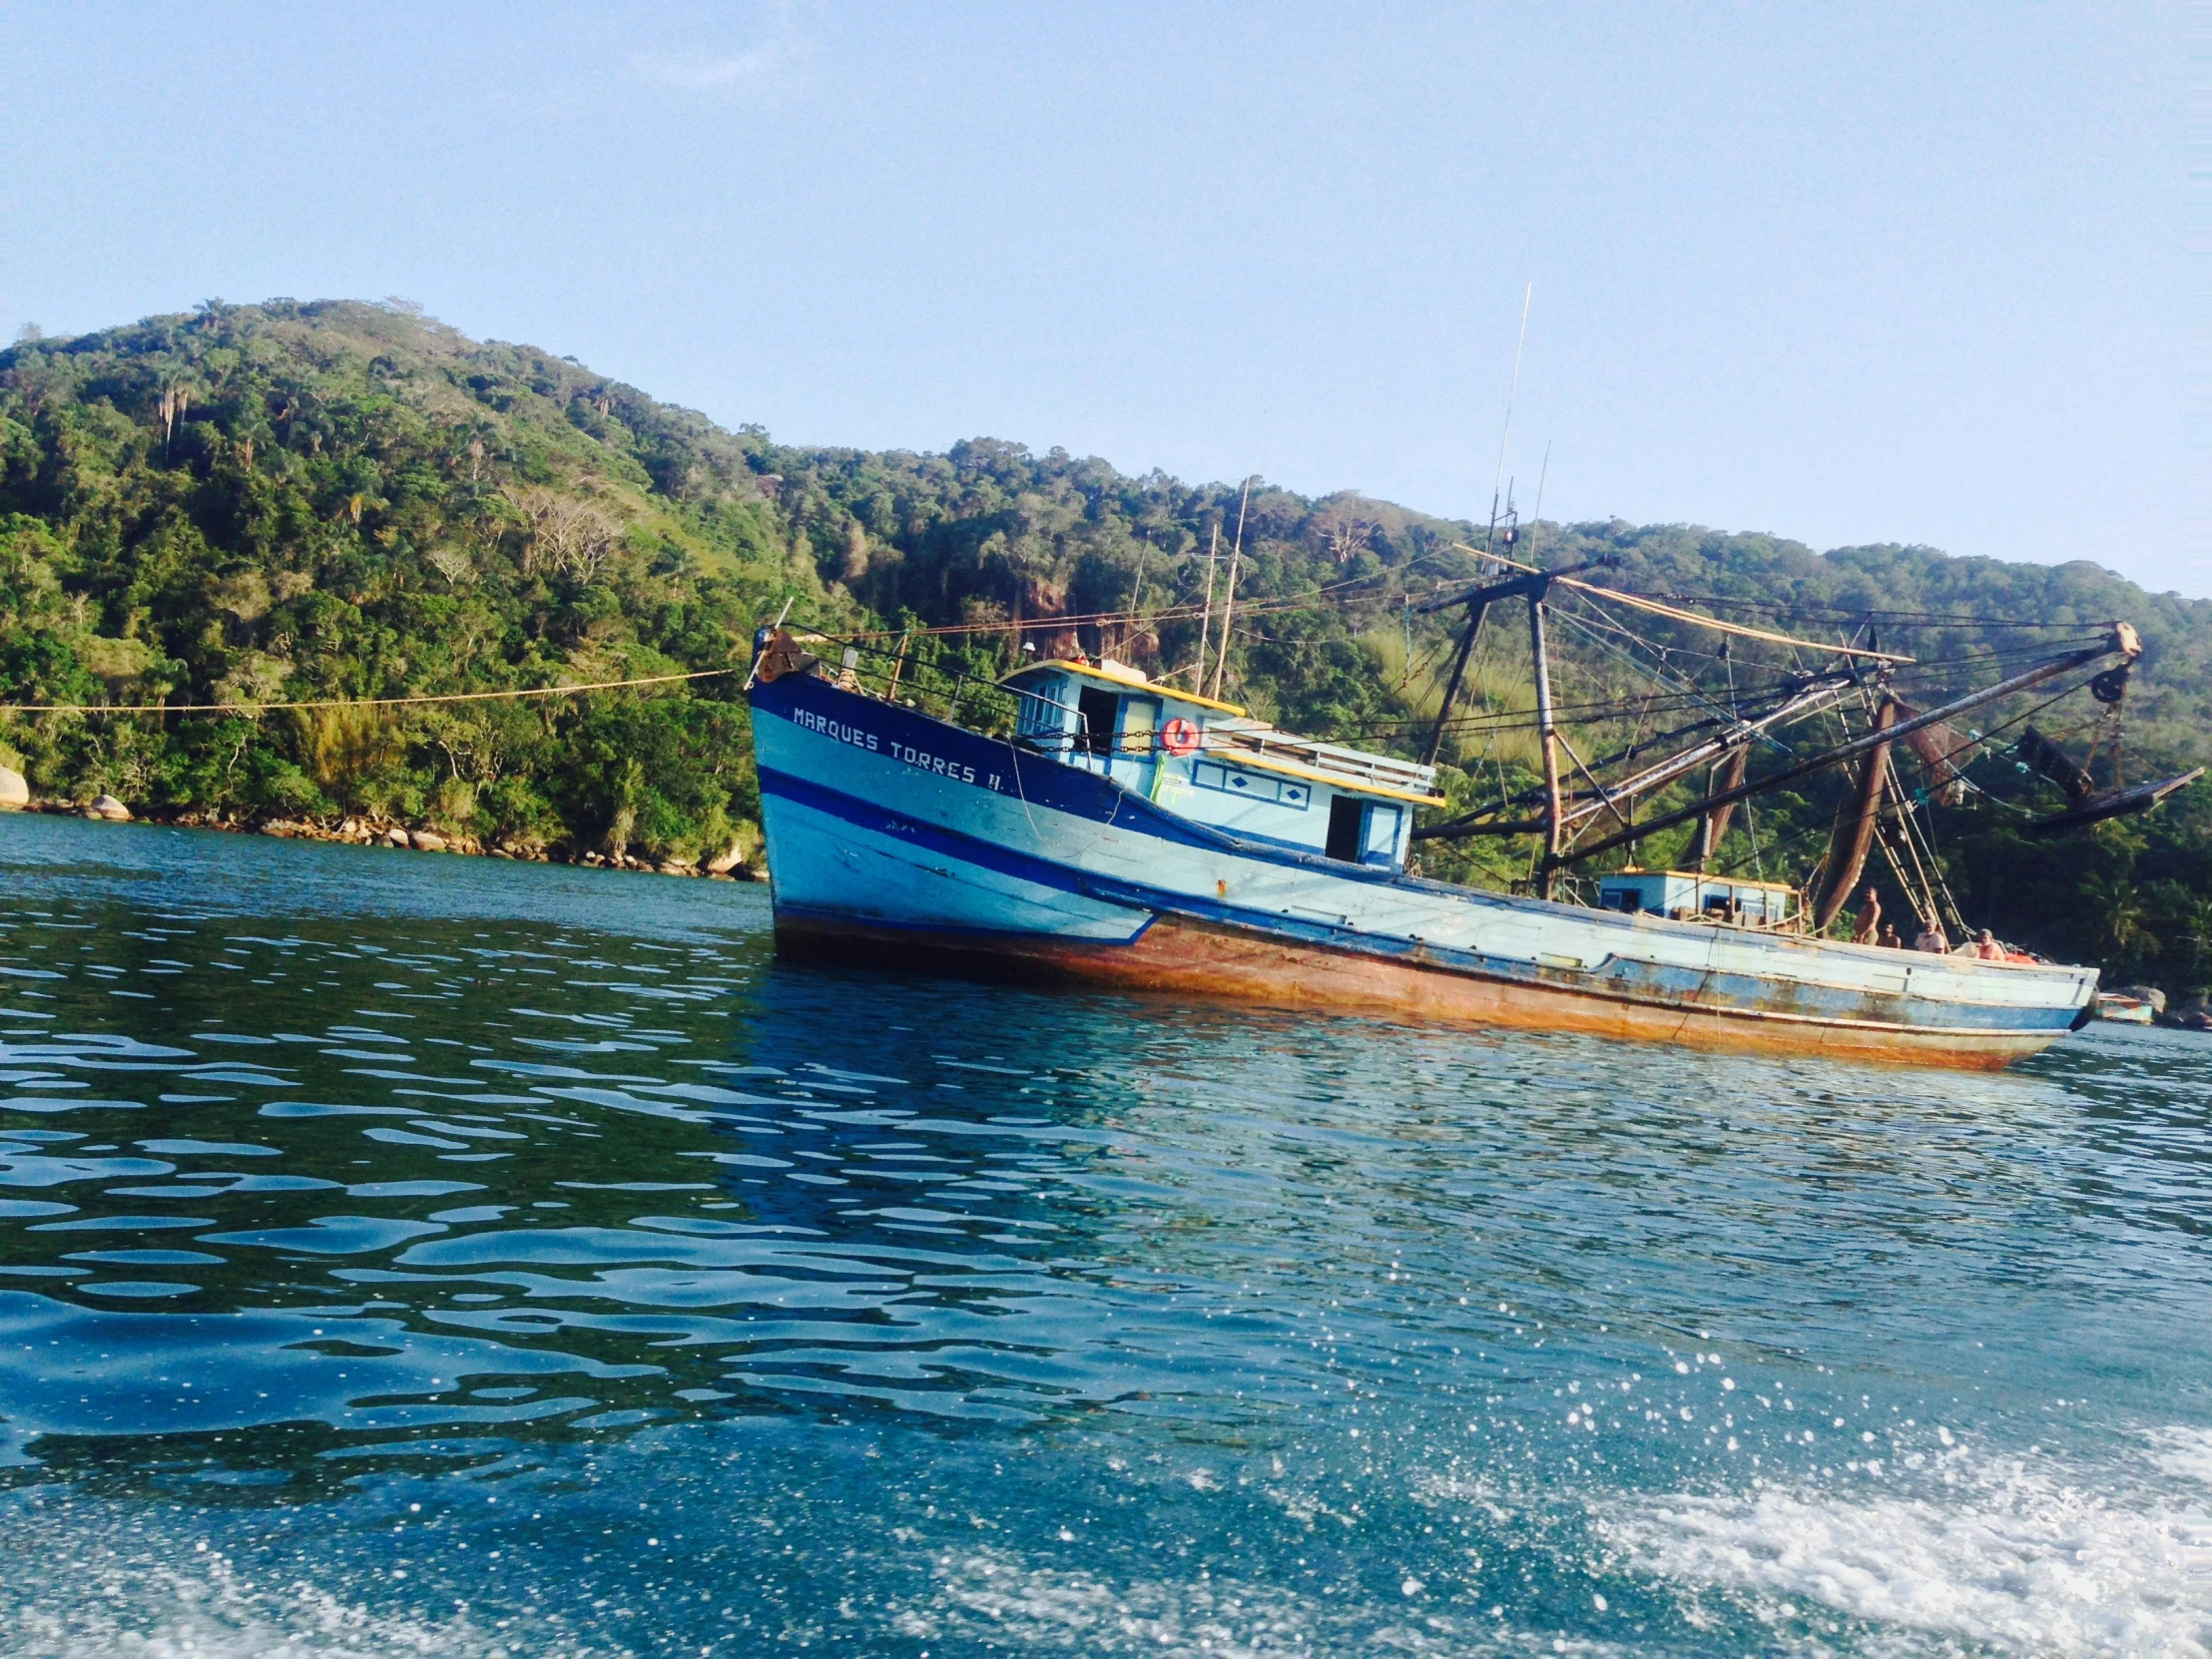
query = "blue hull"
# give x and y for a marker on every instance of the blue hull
(893, 836)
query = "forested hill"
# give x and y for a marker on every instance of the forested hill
(255, 503)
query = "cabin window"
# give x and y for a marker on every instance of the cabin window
(1095, 713)
(1043, 713)
(1345, 813)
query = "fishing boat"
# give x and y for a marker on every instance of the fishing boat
(1120, 831)
(2123, 1010)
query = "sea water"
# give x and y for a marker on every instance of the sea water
(411, 1255)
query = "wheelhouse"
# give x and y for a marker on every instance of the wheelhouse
(1687, 895)
(1210, 762)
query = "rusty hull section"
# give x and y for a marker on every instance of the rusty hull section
(1187, 957)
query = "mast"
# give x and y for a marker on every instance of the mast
(1479, 600)
(1229, 599)
(1206, 621)
(1476, 611)
(1547, 735)
(1136, 594)
(1713, 828)
(1478, 604)
(1846, 856)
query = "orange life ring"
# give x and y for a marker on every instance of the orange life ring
(1178, 735)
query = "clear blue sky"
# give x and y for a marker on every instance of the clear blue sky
(1848, 273)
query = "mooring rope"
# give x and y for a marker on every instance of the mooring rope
(351, 702)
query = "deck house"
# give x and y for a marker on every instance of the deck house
(1686, 895)
(1210, 762)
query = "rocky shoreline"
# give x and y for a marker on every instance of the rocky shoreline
(366, 829)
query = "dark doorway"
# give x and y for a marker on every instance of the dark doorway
(1345, 816)
(1096, 711)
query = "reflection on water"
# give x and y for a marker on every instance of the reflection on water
(414, 1254)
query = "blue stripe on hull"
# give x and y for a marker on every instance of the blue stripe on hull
(835, 854)
(970, 887)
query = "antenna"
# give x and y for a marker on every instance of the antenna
(1536, 518)
(1512, 389)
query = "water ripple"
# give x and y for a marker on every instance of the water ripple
(522, 1204)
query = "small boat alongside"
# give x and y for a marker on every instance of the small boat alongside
(1081, 822)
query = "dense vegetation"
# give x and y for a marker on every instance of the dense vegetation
(251, 504)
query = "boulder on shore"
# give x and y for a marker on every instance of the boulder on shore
(108, 808)
(15, 792)
(426, 840)
(395, 836)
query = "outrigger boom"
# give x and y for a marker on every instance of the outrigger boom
(2122, 642)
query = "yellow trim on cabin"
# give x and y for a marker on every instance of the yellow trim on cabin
(1268, 763)
(1153, 687)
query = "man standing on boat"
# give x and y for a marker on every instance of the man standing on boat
(1870, 920)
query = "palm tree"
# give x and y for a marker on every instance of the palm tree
(2195, 924)
(2117, 916)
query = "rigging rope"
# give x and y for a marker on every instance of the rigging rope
(1639, 603)
(353, 701)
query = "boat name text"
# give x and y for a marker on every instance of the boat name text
(935, 763)
(859, 738)
(835, 729)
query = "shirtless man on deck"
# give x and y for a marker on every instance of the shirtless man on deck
(1870, 920)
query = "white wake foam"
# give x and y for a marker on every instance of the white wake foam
(107, 1605)
(1015, 1606)
(2012, 1557)
(2186, 1451)
(1044, 1607)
